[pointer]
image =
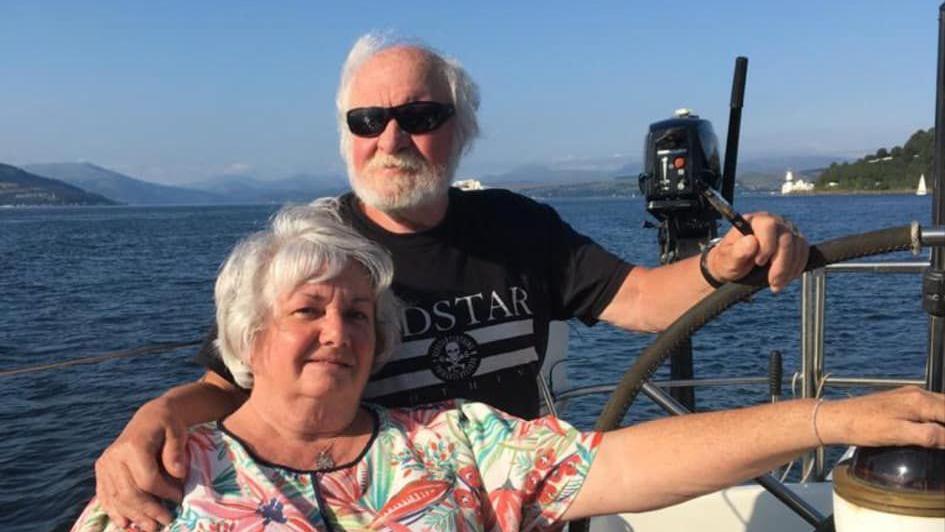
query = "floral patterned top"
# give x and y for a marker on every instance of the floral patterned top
(450, 466)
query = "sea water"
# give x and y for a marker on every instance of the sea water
(78, 282)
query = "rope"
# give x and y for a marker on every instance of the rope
(154, 348)
(820, 385)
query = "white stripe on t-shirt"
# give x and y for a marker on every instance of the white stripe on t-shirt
(482, 335)
(420, 379)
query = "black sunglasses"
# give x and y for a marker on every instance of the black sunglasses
(414, 118)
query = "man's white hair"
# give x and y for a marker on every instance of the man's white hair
(463, 90)
(303, 244)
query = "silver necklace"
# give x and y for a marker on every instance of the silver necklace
(324, 460)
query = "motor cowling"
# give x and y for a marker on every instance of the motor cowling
(681, 156)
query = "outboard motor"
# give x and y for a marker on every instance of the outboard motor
(903, 489)
(681, 163)
(681, 157)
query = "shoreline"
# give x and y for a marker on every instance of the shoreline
(902, 192)
(763, 193)
(540, 197)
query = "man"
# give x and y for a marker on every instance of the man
(482, 273)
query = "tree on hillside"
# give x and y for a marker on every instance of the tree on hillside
(917, 141)
(900, 172)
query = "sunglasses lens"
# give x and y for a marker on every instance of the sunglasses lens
(422, 117)
(368, 121)
(414, 118)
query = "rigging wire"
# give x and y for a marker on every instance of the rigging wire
(126, 353)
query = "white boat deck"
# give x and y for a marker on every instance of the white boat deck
(747, 508)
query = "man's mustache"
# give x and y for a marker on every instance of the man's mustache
(404, 161)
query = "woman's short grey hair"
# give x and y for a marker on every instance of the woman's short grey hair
(463, 90)
(304, 243)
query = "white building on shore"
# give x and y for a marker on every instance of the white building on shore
(792, 186)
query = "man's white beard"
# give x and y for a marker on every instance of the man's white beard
(419, 184)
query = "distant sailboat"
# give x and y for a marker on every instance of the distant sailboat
(921, 190)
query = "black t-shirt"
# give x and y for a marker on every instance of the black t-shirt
(479, 290)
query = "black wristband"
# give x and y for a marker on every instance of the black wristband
(704, 265)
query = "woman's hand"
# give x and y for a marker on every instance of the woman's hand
(129, 480)
(904, 416)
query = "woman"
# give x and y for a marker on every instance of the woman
(305, 315)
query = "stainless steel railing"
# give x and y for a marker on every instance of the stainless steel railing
(812, 377)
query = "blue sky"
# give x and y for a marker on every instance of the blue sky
(176, 91)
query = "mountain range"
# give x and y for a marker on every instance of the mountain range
(119, 187)
(220, 190)
(611, 176)
(18, 187)
(619, 177)
(241, 188)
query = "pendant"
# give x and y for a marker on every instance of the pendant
(324, 461)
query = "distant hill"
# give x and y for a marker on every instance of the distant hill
(122, 188)
(767, 173)
(779, 164)
(759, 180)
(897, 168)
(297, 188)
(771, 181)
(595, 177)
(18, 187)
(533, 175)
(220, 190)
(610, 188)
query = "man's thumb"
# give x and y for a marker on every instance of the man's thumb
(744, 249)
